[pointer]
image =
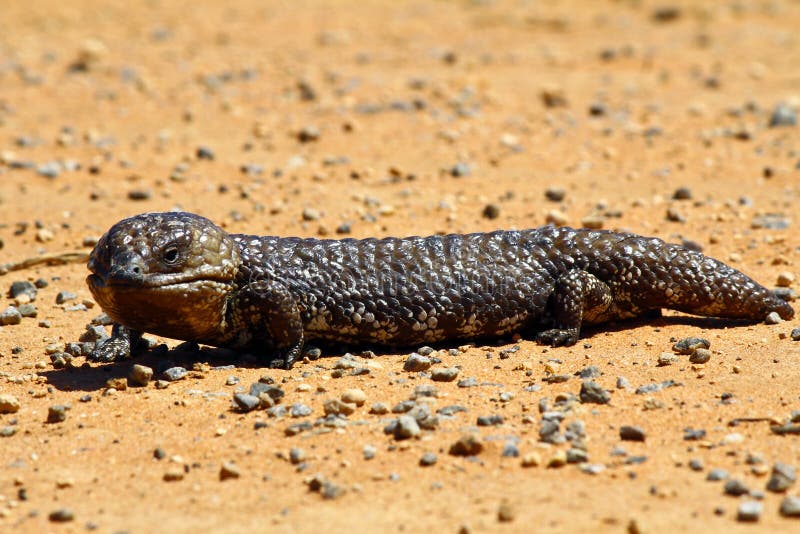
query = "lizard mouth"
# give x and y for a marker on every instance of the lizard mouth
(156, 281)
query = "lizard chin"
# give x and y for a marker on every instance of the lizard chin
(193, 309)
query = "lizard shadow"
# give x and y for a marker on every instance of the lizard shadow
(90, 378)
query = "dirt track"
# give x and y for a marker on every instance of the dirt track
(396, 119)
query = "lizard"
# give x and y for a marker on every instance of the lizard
(181, 276)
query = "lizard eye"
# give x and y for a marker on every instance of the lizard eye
(170, 255)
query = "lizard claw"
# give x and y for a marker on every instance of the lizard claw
(558, 337)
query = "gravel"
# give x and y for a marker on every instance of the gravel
(300, 410)
(716, 475)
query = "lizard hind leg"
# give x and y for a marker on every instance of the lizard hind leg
(578, 297)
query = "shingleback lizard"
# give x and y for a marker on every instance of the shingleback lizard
(181, 276)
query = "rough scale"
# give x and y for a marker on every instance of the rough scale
(180, 276)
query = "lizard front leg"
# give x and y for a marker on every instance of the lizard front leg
(578, 296)
(265, 315)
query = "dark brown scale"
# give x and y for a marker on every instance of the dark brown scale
(277, 293)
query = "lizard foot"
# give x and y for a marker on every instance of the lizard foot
(558, 337)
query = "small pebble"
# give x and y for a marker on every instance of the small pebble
(369, 452)
(592, 392)
(300, 410)
(22, 287)
(491, 211)
(10, 316)
(505, 512)
(406, 427)
(773, 318)
(490, 420)
(428, 459)
(790, 506)
(667, 358)
(466, 445)
(65, 296)
(447, 374)
(460, 169)
(354, 396)
(795, 334)
(175, 373)
(736, 488)
(700, 355)
(749, 511)
(532, 459)
(8, 403)
(785, 279)
(229, 470)
(682, 193)
(62, 515)
(782, 478)
(338, 407)
(555, 194)
(716, 475)
(379, 408)
(297, 455)
(140, 375)
(57, 413)
(416, 363)
(245, 402)
(631, 433)
(783, 115)
(696, 464)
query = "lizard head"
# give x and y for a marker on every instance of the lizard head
(165, 273)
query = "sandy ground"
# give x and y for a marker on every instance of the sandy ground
(398, 118)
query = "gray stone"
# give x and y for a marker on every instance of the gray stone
(10, 316)
(783, 115)
(245, 402)
(782, 477)
(592, 392)
(428, 459)
(749, 511)
(416, 363)
(448, 374)
(406, 427)
(300, 410)
(175, 373)
(790, 506)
